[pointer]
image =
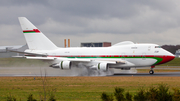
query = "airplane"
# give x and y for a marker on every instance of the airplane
(124, 55)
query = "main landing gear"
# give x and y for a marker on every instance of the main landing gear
(151, 71)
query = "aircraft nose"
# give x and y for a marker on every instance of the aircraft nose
(171, 57)
(168, 58)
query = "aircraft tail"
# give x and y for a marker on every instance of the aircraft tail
(35, 39)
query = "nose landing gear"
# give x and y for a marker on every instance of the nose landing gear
(151, 71)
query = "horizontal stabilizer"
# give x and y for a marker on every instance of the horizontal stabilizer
(27, 53)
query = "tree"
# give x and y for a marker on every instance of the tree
(163, 93)
(30, 98)
(140, 96)
(176, 94)
(128, 96)
(152, 94)
(11, 98)
(47, 91)
(106, 97)
(118, 93)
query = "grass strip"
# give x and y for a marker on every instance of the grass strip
(79, 88)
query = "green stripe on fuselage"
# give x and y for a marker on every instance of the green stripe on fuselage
(157, 58)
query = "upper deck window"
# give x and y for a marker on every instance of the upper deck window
(157, 46)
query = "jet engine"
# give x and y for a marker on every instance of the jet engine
(103, 66)
(62, 65)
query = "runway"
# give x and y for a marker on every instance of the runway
(48, 71)
(175, 74)
(169, 74)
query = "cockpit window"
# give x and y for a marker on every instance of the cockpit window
(157, 46)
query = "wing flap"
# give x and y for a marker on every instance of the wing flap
(41, 58)
(61, 59)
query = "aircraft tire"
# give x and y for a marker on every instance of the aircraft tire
(151, 72)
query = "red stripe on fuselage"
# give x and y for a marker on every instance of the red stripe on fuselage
(165, 58)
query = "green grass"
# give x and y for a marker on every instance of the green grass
(78, 88)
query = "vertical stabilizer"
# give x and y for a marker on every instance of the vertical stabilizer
(35, 39)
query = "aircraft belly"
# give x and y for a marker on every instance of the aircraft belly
(113, 62)
(138, 62)
(143, 61)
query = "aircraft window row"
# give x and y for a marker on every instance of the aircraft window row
(157, 46)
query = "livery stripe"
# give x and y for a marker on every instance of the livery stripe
(160, 59)
(31, 31)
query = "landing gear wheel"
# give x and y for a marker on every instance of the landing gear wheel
(151, 72)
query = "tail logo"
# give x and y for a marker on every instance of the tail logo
(31, 31)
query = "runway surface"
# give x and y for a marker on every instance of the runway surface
(169, 74)
(48, 71)
(147, 74)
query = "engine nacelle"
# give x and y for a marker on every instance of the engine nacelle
(103, 66)
(62, 65)
(65, 65)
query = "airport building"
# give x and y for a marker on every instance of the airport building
(96, 44)
(177, 54)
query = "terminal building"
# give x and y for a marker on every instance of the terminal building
(96, 44)
(177, 54)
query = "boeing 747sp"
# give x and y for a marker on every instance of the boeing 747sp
(123, 55)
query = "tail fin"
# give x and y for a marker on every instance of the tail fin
(35, 39)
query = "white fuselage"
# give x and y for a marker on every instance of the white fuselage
(135, 55)
(121, 55)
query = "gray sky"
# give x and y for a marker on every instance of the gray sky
(140, 21)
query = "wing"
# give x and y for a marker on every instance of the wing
(78, 60)
(86, 62)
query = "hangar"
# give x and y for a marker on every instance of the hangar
(96, 44)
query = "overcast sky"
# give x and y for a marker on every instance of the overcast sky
(140, 21)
